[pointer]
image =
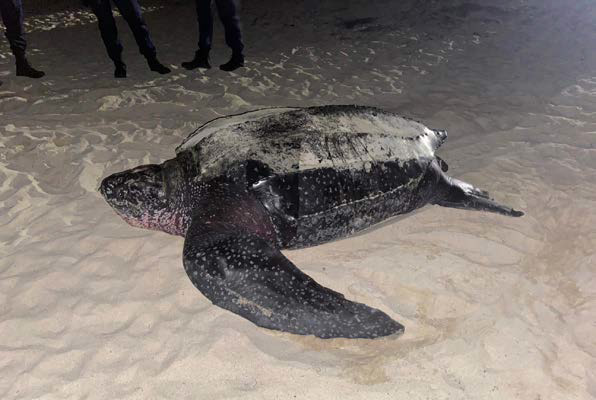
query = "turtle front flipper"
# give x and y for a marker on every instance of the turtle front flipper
(242, 271)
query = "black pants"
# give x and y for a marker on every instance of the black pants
(229, 17)
(12, 16)
(131, 12)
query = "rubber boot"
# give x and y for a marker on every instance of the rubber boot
(156, 66)
(119, 70)
(201, 60)
(25, 69)
(235, 62)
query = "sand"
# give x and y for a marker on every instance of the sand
(494, 307)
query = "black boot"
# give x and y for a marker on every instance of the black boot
(120, 70)
(25, 69)
(235, 62)
(156, 66)
(201, 60)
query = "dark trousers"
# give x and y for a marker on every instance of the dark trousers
(131, 12)
(229, 17)
(12, 16)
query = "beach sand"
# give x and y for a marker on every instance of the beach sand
(494, 307)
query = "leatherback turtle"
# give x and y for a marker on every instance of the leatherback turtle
(242, 188)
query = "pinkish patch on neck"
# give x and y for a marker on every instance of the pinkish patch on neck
(165, 221)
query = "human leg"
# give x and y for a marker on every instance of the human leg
(131, 12)
(228, 13)
(205, 22)
(12, 16)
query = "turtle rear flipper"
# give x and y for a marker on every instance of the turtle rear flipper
(243, 272)
(459, 194)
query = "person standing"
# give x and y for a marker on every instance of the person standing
(131, 12)
(228, 14)
(12, 16)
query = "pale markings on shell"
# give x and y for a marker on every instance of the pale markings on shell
(347, 139)
(226, 123)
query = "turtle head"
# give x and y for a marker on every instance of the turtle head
(141, 197)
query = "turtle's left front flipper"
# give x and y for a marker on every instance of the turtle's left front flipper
(244, 273)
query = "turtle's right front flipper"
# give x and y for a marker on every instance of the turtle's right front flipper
(243, 273)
